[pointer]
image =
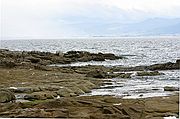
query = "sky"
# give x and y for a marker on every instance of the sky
(69, 18)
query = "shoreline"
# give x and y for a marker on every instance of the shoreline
(54, 91)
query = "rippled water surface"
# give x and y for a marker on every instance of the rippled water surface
(141, 86)
(139, 51)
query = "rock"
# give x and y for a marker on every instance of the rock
(40, 96)
(74, 54)
(178, 63)
(110, 86)
(65, 92)
(33, 59)
(7, 63)
(60, 60)
(6, 96)
(48, 88)
(165, 66)
(108, 110)
(96, 74)
(149, 73)
(19, 58)
(168, 88)
(84, 88)
(40, 53)
(98, 57)
(125, 75)
(94, 107)
(61, 113)
(42, 68)
(104, 73)
(84, 56)
(111, 56)
(24, 89)
(76, 90)
(66, 61)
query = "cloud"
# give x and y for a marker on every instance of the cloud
(57, 18)
(161, 7)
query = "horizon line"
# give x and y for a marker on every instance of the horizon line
(82, 37)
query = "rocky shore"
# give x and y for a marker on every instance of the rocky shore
(31, 88)
(21, 58)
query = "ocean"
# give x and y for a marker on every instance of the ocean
(138, 51)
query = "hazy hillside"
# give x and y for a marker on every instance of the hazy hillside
(171, 29)
(155, 26)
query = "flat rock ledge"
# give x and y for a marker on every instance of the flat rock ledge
(94, 107)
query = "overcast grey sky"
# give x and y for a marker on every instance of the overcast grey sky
(63, 18)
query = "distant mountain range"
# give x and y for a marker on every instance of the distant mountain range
(155, 26)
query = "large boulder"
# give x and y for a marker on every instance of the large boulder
(6, 96)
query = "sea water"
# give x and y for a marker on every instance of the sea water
(138, 51)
